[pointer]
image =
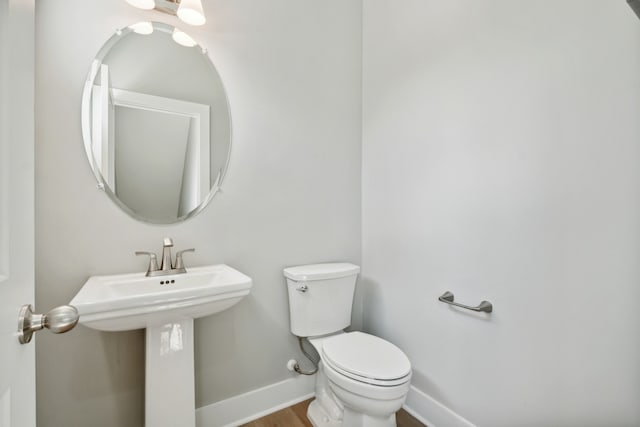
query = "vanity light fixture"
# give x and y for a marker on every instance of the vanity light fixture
(189, 11)
(142, 4)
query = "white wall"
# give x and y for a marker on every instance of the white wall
(501, 161)
(292, 69)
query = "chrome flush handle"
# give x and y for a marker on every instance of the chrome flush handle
(302, 288)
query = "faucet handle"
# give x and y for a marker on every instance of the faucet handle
(167, 241)
(179, 263)
(153, 261)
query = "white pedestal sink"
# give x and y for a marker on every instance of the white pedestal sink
(166, 307)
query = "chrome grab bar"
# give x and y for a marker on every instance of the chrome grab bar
(485, 306)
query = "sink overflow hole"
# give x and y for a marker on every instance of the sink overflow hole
(166, 282)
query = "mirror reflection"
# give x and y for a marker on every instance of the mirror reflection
(156, 123)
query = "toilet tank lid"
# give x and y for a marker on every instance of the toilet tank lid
(304, 273)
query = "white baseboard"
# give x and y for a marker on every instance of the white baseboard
(431, 412)
(256, 403)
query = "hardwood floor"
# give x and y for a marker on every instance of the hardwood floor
(296, 416)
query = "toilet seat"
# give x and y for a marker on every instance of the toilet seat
(367, 359)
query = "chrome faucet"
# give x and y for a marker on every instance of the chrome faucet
(167, 244)
(167, 266)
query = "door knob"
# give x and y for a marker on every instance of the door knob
(59, 320)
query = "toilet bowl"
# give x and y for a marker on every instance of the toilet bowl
(368, 376)
(362, 380)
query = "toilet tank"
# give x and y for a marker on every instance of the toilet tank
(320, 297)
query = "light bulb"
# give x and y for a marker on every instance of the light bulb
(191, 12)
(182, 38)
(144, 28)
(143, 4)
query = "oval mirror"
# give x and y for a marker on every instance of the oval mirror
(156, 123)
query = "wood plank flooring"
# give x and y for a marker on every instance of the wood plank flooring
(296, 416)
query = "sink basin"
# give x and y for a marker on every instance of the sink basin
(133, 301)
(165, 306)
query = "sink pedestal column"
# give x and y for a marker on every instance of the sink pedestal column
(169, 384)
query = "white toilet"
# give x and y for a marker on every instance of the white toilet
(362, 380)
